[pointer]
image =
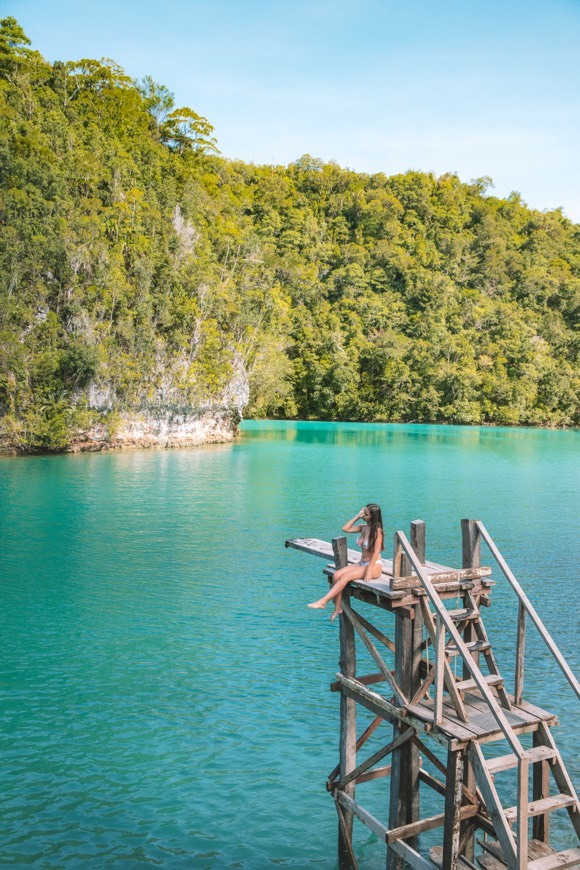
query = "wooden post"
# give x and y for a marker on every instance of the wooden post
(520, 652)
(540, 789)
(404, 806)
(347, 666)
(417, 539)
(453, 798)
(471, 558)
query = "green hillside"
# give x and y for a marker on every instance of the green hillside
(138, 264)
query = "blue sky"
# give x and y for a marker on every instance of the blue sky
(478, 87)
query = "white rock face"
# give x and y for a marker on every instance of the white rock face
(162, 428)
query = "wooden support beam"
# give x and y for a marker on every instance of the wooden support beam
(373, 759)
(372, 629)
(470, 544)
(410, 856)
(522, 813)
(402, 833)
(347, 665)
(453, 799)
(346, 833)
(359, 743)
(418, 539)
(365, 817)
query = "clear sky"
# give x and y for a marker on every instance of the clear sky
(477, 87)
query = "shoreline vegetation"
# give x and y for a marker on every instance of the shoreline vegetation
(152, 291)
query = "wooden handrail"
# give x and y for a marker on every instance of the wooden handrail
(480, 682)
(526, 603)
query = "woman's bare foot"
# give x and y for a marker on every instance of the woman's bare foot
(318, 605)
(335, 614)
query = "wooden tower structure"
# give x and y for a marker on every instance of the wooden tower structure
(430, 705)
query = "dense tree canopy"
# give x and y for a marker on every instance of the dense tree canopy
(138, 264)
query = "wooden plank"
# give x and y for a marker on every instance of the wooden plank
(468, 685)
(366, 680)
(365, 817)
(493, 804)
(506, 762)
(347, 834)
(381, 707)
(546, 805)
(453, 799)
(411, 856)
(450, 575)
(347, 740)
(439, 651)
(522, 816)
(377, 773)
(520, 653)
(557, 861)
(544, 633)
(419, 827)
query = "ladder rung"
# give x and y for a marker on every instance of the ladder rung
(569, 858)
(491, 680)
(463, 613)
(546, 805)
(505, 762)
(473, 646)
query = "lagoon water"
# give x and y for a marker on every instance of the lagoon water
(164, 693)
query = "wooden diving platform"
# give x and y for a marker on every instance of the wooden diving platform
(443, 685)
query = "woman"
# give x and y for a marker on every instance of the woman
(371, 541)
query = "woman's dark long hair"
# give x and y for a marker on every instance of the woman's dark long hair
(375, 525)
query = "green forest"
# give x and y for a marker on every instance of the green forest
(137, 261)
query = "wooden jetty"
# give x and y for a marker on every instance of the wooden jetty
(428, 703)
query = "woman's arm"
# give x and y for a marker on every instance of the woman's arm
(378, 546)
(350, 527)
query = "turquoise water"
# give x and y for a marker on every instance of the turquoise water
(164, 694)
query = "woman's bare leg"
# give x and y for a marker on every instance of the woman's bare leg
(340, 579)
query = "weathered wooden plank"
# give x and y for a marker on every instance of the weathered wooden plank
(381, 707)
(439, 651)
(365, 679)
(522, 814)
(506, 762)
(451, 575)
(411, 856)
(377, 773)
(546, 805)
(557, 861)
(346, 833)
(415, 828)
(365, 817)
(453, 798)
(469, 685)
